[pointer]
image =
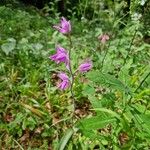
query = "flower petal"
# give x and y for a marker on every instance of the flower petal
(63, 76)
(86, 66)
(64, 26)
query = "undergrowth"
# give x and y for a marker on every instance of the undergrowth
(112, 100)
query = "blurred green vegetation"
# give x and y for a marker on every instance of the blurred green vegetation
(113, 109)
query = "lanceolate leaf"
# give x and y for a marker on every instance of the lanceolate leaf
(107, 80)
(65, 139)
(95, 122)
(110, 112)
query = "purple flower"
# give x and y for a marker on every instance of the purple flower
(63, 76)
(60, 56)
(65, 81)
(64, 26)
(103, 38)
(86, 66)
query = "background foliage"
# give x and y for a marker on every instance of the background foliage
(113, 109)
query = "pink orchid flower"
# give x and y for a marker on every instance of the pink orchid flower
(86, 66)
(103, 38)
(64, 27)
(65, 81)
(60, 56)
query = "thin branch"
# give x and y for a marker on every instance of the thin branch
(62, 120)
(142, 82)
(18, 144)
(129, 101)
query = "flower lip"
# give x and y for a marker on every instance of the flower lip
(63, 85)
(63, 76)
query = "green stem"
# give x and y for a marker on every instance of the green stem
(130, 46)
(72, 76)
(130, 99)
(142, 82)
(105, 56)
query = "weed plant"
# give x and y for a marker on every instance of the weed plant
(112, 109)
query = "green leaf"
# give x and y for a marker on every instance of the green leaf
(88, 90)
(146, 119)
(143, 121)
(37, 46)
(117, 84)
(110, 112)
(28, 123)
(65, 139)
(107, 100)
(9, 46)
(96, 77)
(96, 103)
(107, 80)
(89, 126)
(95, 122)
